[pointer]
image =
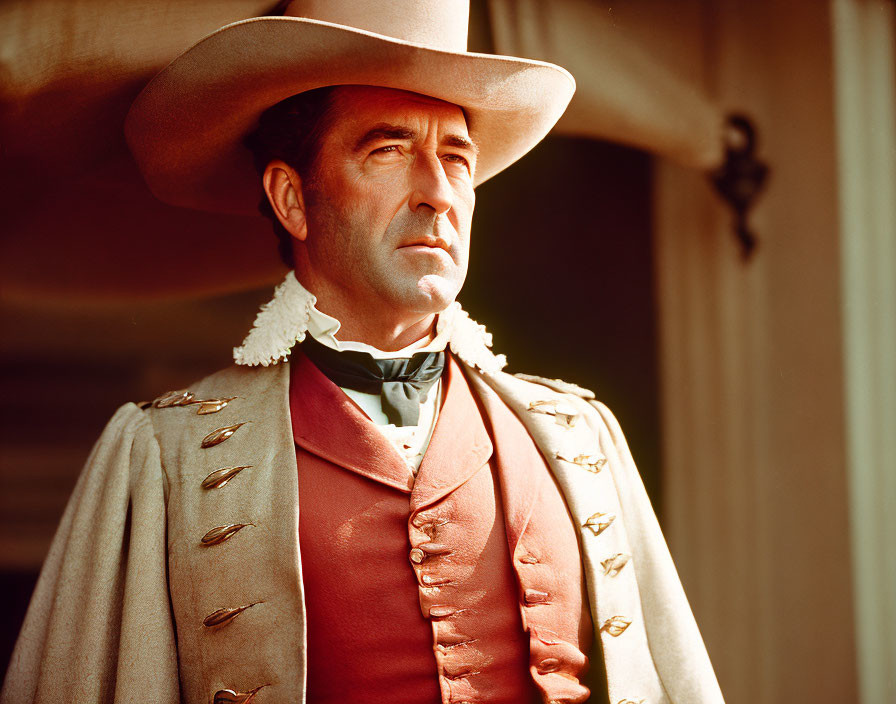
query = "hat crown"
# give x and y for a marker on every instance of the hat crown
(439, 24)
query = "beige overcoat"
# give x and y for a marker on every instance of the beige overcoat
(120, 611)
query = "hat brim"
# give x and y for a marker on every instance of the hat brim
(186, 128)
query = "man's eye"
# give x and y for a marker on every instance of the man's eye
(386, 150)
(456, 159)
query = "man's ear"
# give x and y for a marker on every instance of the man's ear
(283, 187)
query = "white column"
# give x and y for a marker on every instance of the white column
(863, 32)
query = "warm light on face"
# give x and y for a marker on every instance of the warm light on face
(390, 205)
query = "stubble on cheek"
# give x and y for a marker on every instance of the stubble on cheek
(352, 254)
(423, 283)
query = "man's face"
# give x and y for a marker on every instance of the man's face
(390, 201)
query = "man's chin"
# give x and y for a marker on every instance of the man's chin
(432, 294)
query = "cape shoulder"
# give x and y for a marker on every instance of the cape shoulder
(603, 419)
(105, 568)
(564, 387)
(542, 393)
(234, 395)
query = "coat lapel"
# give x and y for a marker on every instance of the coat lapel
(459, 447)
(328, 424)
(520, 476)
(560, 438)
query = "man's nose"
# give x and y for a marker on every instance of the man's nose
(429, 185)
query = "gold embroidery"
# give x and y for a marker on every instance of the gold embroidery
(613, 565)
(212, 405)
(230, 696)
(216, 437)
(222, 617)
(563, 413)
(220, 477)
(590, 462)
(616, 626)
(173, 398)
(222, 533)
(599, 522)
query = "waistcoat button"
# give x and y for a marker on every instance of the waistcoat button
(435, 549)
(533, 596)
(422, 518)
(417, 556)
(548, 665)
(441, 611)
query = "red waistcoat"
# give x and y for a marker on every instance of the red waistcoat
(464, 585)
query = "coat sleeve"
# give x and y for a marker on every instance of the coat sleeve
(99, 627)
(675, 642)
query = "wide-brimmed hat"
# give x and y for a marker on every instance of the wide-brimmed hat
(186, 128)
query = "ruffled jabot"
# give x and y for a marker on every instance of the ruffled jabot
(284, 320)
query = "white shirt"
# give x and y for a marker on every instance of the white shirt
(410, 441)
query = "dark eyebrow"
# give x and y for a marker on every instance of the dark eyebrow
(384, 131)
(461, 142)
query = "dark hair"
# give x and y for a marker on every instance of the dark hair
(290, 131)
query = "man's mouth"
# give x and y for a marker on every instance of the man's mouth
(430, 242)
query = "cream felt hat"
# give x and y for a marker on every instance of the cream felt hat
(187, 126)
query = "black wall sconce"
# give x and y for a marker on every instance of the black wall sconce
(741, 178)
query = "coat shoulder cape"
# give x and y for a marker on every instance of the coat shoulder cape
(99, 627)
(127, 562)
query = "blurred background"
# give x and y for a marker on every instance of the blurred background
(756, 386)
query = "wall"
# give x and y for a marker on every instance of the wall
(753, 404)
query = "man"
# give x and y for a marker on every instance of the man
(365, 508)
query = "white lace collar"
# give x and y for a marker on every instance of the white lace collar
(323, 328)
(284, 321)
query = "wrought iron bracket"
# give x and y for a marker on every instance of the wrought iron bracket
(740, 180)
